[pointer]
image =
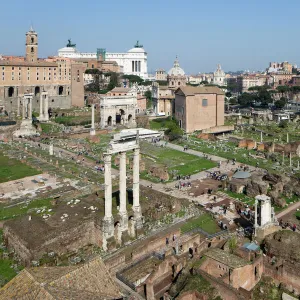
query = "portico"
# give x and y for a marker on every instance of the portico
(108, 220)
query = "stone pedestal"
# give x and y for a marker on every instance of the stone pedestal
(51, 149)
(26, 129)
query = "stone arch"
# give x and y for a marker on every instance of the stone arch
(130, 119)
(109, 121)
(32, 40)
(60, 90)
(11, 91)
(32, 50)
(37, 91)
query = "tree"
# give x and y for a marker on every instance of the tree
(264, 97)
(281, 102)
(149, 99)
(246, 99)
(162, 82)
(283, 124)
(228, 94)
(133, 78)
(283, 89)
(233, 101)
(232, 244)
(113, 82)
(204, 82)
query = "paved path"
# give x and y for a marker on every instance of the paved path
(288, 210)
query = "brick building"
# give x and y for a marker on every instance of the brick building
(61, 78)
(198, 108)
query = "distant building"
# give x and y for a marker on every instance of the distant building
(244, 82)
(275, 67)
(176, 76)
(198, 108)
(160, 75)
(132, 62)
(199, 78)
(219, 77)
(163, 99)
(62, 78)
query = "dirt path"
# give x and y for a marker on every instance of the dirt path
(288, 210)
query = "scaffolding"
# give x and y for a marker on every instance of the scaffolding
(101, 52)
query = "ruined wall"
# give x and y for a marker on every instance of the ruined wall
(59, 242)
(283, 274)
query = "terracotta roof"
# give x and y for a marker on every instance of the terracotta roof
(39, 63)
(192, 90)
(89, 281)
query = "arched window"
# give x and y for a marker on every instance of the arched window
(11, 92)
(37, 91)
(60, 90)
(32, 40)
(32, 50)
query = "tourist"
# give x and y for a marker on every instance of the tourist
(174, 237)
(167, 241)
(294, 227)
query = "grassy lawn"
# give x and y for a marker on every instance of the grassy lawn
(50, 128)
(242, 197)
(158, 124)
(23, 209)
(12, 169)
(177, 162)
(297, 215)
(6, 271)
(205, 222)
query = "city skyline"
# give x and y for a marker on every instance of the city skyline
(239, 36)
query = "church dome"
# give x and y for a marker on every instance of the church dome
(176, 70)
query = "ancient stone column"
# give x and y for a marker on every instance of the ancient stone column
(46, 115)
(41, 107)
(30, 108)
(261, 137)
(122, 188)
(122, 182)
(108, 187)
(51, 149)
(287, 138)
(92, 131)
(18, 112)
(24, 102)
(136, 189)
(136, 177)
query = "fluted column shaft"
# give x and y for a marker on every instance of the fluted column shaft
(122, 182)
(136, 177)
(108, 187)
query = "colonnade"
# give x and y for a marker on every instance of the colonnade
(108, 221)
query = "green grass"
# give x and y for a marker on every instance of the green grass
(23, 209)
(177, 162)
(7, 272)
(242, 197)
(12, 169)
(205, 222)
(158, 124)
(297, 215)
(50, 128)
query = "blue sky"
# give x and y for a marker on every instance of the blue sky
(238, 34)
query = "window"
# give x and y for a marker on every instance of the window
(204, 102)
(32, 50)
(12, 68)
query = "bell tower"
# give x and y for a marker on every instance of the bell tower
(31, 45)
